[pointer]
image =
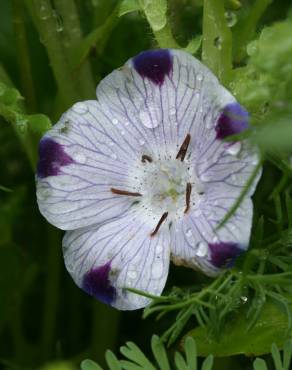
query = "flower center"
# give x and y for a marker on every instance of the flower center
(167, 188)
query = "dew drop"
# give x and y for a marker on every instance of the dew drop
(231, 18)
(218, 42)
(58, 21)
(234, 148)
(199, 77)
(145, 118)
(243, 299)
(115, 121)
(159, 248)
(189, 233)
(44, 10)
(202, 249)
(80, 108)
(123, 132)
(79, 157)
(172, 111)
(132, 274)
(141, 142)
(157, 269)
(127, 123)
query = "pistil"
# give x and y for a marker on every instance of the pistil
(188, 196)
(160, 222)
(124, 192)
(183, 149)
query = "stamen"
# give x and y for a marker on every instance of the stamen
(160, 222)
(124, 192)
(188, 196)
(146, 158)
(184, 147)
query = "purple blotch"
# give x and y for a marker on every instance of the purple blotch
(96, 283)
(154, 64)
(233, 120)
(51, 158)
(224, 254)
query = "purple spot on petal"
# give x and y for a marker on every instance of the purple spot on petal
(96, 283)
(154, 64)
(51, 158)
(233, 120)
(224, 254)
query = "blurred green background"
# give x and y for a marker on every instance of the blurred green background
(44, 317)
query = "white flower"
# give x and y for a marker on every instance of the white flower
(142, 175)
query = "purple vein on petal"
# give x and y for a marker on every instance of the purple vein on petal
(154, 65)
(51, 158)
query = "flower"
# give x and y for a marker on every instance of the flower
(143, 175)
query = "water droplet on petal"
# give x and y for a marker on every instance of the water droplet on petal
(148, 119)
(132, 274)
(127, 123)
(159, 248)
(199, 77)
(123, 132)
(202, 249)
(80, 108)
(114, 156)
(172, 111)
(189, 233)
(141, 142)
(234, 148)
(115, 121)
(79, 157)
(157, 269)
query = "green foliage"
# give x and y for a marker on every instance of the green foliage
(136, 360)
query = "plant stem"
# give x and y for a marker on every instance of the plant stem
(51, 293)
(104, 330)
(46, 24)
(245, 30)
(217, 40)
(72, 35)
(165, 38)
(23, 54)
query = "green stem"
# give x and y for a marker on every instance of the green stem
(165, 38)
(51, 293)
(46, 24)
(104, 330)
(23, 54)
(245, 30)
(72, 35)
(217, 40)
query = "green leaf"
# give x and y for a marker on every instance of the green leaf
(208, 363)
(159, 352)
(235, 339)
(259, 364)
(39, 123)
(191, 353)
(180, 362)
(129, 6)
(90, 365)
(7, 190)
(155, 11)
(112, 361)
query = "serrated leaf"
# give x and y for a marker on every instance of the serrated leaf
(133, 352)
(90, 365)
(159, 352)
(270, 327)
(129, 6)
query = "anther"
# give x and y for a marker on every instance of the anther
(188, 197)
(160, 222)
(124, 192)
(146, 158)
(184, 147)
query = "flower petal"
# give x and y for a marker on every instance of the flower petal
(105, 260)
(198, 243)
(159, 97)
(81, 158)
